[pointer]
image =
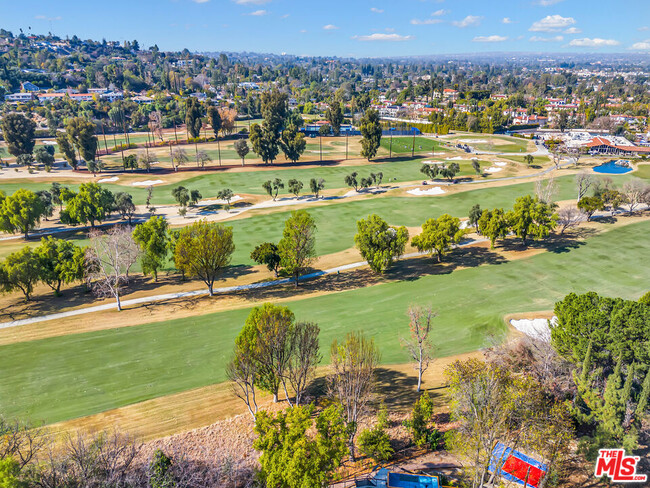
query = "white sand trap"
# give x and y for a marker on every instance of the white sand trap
(472, 141)
(500, 163)
(147, 183)
(493, 169)
(429, 191)
(535, 328)
(455, 158)
(464, 224)
(236, 198)
(437, 154)
(49, 143)
(433, 162)
(318, 152)
(108, 180)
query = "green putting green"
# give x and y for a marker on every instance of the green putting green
(71, 376)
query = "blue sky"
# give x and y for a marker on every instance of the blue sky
(347, 27)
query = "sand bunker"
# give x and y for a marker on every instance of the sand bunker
(429, 191)
(472, 141)
(147, 183)
(535, 328)
(493, 169)
(500, 163)
(455, 158)
(108, 180)
(433, 162)
(236, 198)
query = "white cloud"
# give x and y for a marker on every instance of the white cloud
(507, 20)
(247, 2)
(383, 37)
(547, 3)
(641, 46)
(259, 13)
(469, 21)
(377, 10)
(552, 23)
(43, 17)
(489, 39)
(330, 27)
(426, 21)
(595, 42)
(440, 12)
(546, 39)
(643, 28)
(573, 30)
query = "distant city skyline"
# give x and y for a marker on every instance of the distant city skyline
(364, 28)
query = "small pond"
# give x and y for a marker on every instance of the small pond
(613, 168)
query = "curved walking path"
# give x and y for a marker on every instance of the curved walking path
(187, 294)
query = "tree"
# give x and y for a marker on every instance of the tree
(21, 211)
(179, 156)
(475, 215)
(298, 452)
(241, 146)
(476, 166)
(489, 404)
(160, 472)
(334, 116)
(66, 148)
(124, 205)
(265, 139)
(91, 204)
(109, 258)
(418, 424)
(449, 171)
(226, 194)
(377, 178)
(130, 162)
(371, 134)
(145, 160)
(531, 216)
(493, 224)
(44, 155)
(203, 158)
(584, 181)
(193, 117)
(195, 197)
(378, 243)
(18, 133)
(351, 180)
(419, 344)
(10, 473)
(20, 271)
(153, 238)
(25, 160)
(316, 186)
(46, 200)
(95, 166)
(430, 170)
(181, 195)
(81, 133)
(273, 187)
(264, 143)
(215, 120)
(438, 235)
(353, 374)
(204, 250)
(375, 443)
(60, 262)
(324, 130)
(297, 246)
(569, 217)
(590, 205)
(293, 144)
(636, 192)
(267, 253)
(303, 358)
(529, 159)
(295, 186)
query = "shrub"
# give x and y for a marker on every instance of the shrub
(422, 433)
(375, 443)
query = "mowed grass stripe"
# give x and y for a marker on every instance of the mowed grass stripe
(67, 377)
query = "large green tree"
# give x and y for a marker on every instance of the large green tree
(90, 205)
(531, 217)
(439, 235)
(298, 451)
(18, 133)
(193, 115)
(67, 149)
(371, 134)
(493, 224)
(20, 271)
(81, 132)
(334, 116)
(203, 250)
(21, 211)
(379, 243)
(60, 261)
(153, 238)
(293, 144)
(297, 246)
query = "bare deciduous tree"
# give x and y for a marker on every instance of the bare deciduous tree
(419, 345)
(583, 182)
(304, 357)
(179, 156)
(569, 217)
(545, 189)
(20, 441)
(351, 383)
(109, 257)
(155, 124)
(242, 372)
(636, 192)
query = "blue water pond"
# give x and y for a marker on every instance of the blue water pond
(611, 168)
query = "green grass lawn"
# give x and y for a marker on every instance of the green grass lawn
(643, 171)
(66, 377)
(537, 160)
(404, 145)
(251, 182)
(513, 145)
